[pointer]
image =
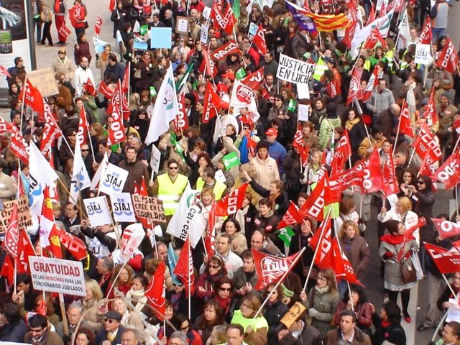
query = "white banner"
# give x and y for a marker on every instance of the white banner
(293, 70)
(422, 54)
(113, 179)
(97, 210)
(189, 218)
(302, 112)
(56, 275)
(122, 207)
(155, 158)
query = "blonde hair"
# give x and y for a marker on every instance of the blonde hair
(93, 285)
(405, 203)
(345, 225)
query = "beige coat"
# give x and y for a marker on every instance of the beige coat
(264, 171)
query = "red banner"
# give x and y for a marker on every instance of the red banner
(155, 291)
(314, 205)
(232, 202)
(445, 228)
(405, 122)
(231, 47)
(446, 261)
(448, 59)
(390, 182)
(449, 172)
(355, 92)
(255, 79)
(211, 103)
(181, 120)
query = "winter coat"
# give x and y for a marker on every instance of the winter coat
(114, 72)
(14, 332)
(137, 172)
(49, 338)
(265, 171)
(392, 333)
(325, 303)
(363, 312)
(326, 128)
(358, 253)
(82, 51)
(281, 202)
(380, 101)
(240, 278)
(299, 45)
(65, 67)
(273, 312)
(207, 282)
(308, 336)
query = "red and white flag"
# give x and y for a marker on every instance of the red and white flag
(449, 172)
(314, 205)
(181, 121)
(83, 127)
(117, 131)
(390, 182)
(445, 228)
(155, 291)
(405, 122)
(333, 88)
(446, 261)
(4, 71)
(426, 36)
(426, 143)
(371, 17)
(351, 29)
(323, 238)
(342, 266)
(259, 40)
(32, 98)
(430, 113)
(74, 245)
(231, 47)
(374, 38)
(355, 92)
(51, 132)
(255, 79)
(291, 217)
(89, 87)
(207, 65)
(223, 21)
(64, 31)
(299, 144)
(342, 153)
(98, 25)
(12, 233)
(184, 268)
(211, 103)
(210, 238)
(18, 145)
(372, 83)
(232, 202)
(25, 249)
(448, 59)
(104, 89)
(270, 269)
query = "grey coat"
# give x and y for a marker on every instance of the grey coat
(325, 303)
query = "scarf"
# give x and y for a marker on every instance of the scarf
(323, 290)
(392, 239)
(350, 123)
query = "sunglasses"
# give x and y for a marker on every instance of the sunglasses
(214, 266)
(173, 168)
(225, 289)
(420, 182)
(84, 150)
(109, 320)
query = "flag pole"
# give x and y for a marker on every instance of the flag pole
(448, 284)
(89, 135)
(436, 331)
(399, 126)
(189, 281)
(316, 251)
(15, 272)
(299, 255)
(23, 100)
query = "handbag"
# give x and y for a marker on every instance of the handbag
(408, 273)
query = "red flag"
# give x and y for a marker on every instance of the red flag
(25, 249)
(375, 38)
(430, 113)
(7, 270)
(372, 181)
(64, 31)
(404, 121)
(51, 132)
(98, 25)
(448, 59)
(445, 228)
(314, 205)
(181, 121)
(426, 36)
(105, 90)
(223, 21)
(117, 129)
(372, 83)
(32, 97)
(74, 245)
(83, 127)
(341, 181)
(76, 14)
(355, 92)
(49, 227)
(18, 144)
(291, 217)
(342, 153)
(259, 40)
(211, 232)
(111, 5)
(426, 143)
(333, 88)
(449, 172)
(271, 268)
(351, 29)
(232, 202)
(446, 261)
(342, 266)
(155, 291)
(231, 47)
(371, 17)
(142, 190)
(255, 79)
(4, 71)
(126, 78)
(89, 88)
(428, 167)
(299, 144)
(323, 238)
(184, 268)
(12, 233)
(390, 182)
(251, 145)
(207, 65)
(211, 101)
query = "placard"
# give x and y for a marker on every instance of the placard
(293, 70)
(97, 210)
(99, 45)
(155, 158)
(182, 25)
(43, 79)
(122, 207)
(113, 179)
(204, 33)
(149, 207)
(160, 38)
(303, 91)
(206, 12)
(422, 54)
(303, 111)
(253, 27)
(24, 218)
(56, 275)
(453, 313)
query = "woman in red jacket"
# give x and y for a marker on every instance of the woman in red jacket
(215, 269)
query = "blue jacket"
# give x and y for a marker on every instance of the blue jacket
(278, 153)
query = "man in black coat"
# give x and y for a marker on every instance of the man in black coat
(114, 70)
(112, 330)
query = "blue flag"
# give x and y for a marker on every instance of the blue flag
(172, 259)
(304, 22)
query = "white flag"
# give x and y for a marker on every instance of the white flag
(188, 218)
(99, 171)
(165, 109)
(243, 96)
(155, 160)
(80, 178)
(41, 174)
(403, 31)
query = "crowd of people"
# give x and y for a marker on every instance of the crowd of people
(282, 159)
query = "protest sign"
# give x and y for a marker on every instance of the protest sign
(204, 33)
(140, 45)
(160, 38)
(149, 207)
(182, 25)
(56, 275)
(99, 45)
(303, 91)
(230, 160)
(97, 210)
(44, 81)
(122, 207)
(293, 70)
(422, 54)
(206, 12)
(24, 219)
(155, 158)
(302, 112)
(113, 179)
(253, 27)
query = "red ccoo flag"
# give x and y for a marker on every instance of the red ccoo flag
(89, 88)
(98, 25)
(12, 233)
(449, 172)
(404, 121)
(155, 291)
(314, 205)
(291, 217)
(448, 59)
(232, 202)
(342, 266)
(446, 261)
(445, 228)
(426, 36)
(355, 91)
(259, 40)
(184, 268)
(32, 97)
(211, 102)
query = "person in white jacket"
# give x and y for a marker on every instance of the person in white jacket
(81, 76)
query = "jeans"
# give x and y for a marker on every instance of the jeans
(438, 32)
